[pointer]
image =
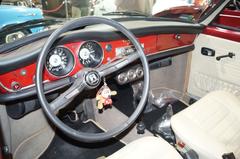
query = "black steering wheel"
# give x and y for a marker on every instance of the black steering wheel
(89, 79)
(237, 4)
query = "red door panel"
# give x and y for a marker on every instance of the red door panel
(229, 18)
(222, 33)
(226, 26)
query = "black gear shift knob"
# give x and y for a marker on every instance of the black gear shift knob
(141, 127)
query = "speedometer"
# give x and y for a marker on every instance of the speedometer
(90, 54)
(60, 61)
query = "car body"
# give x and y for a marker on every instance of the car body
(18, 14)
(16, 3)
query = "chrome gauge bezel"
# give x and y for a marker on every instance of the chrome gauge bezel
(101, 58)
(70, 63)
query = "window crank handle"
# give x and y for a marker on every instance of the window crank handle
(230, 55)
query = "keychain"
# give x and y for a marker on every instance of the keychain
(104, 95)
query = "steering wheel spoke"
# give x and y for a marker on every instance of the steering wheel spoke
(114, 66)
(68, 96)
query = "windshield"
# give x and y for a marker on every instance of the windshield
(19, 12)
(180, 9)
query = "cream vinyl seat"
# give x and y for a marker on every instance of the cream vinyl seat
(211, 126)
(147, 148)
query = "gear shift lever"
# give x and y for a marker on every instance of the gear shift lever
(141, 127)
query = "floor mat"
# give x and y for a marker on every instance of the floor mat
(63, 147)
(123, 101)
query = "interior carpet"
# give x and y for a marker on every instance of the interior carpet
(63, 147)
(125, 105)
(123, 101)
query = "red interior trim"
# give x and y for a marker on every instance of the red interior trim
(231, 12)
(229, 18)
(222, 33)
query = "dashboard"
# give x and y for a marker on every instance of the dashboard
(69, 58)
(89, 47)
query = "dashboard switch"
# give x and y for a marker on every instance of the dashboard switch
(122, 78)
(23, 72)
(131, 74)
(15, 86)
(108, 47)
(139, 72)
(178, 37)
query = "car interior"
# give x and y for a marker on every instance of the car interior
(125, 88)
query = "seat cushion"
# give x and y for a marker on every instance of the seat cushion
(211, 126)
(147, 148)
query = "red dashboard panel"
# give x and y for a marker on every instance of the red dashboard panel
(23, 78)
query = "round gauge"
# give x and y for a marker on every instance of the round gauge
(90, 54)
(59, 61)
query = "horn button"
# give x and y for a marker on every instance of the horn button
(92, 79)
